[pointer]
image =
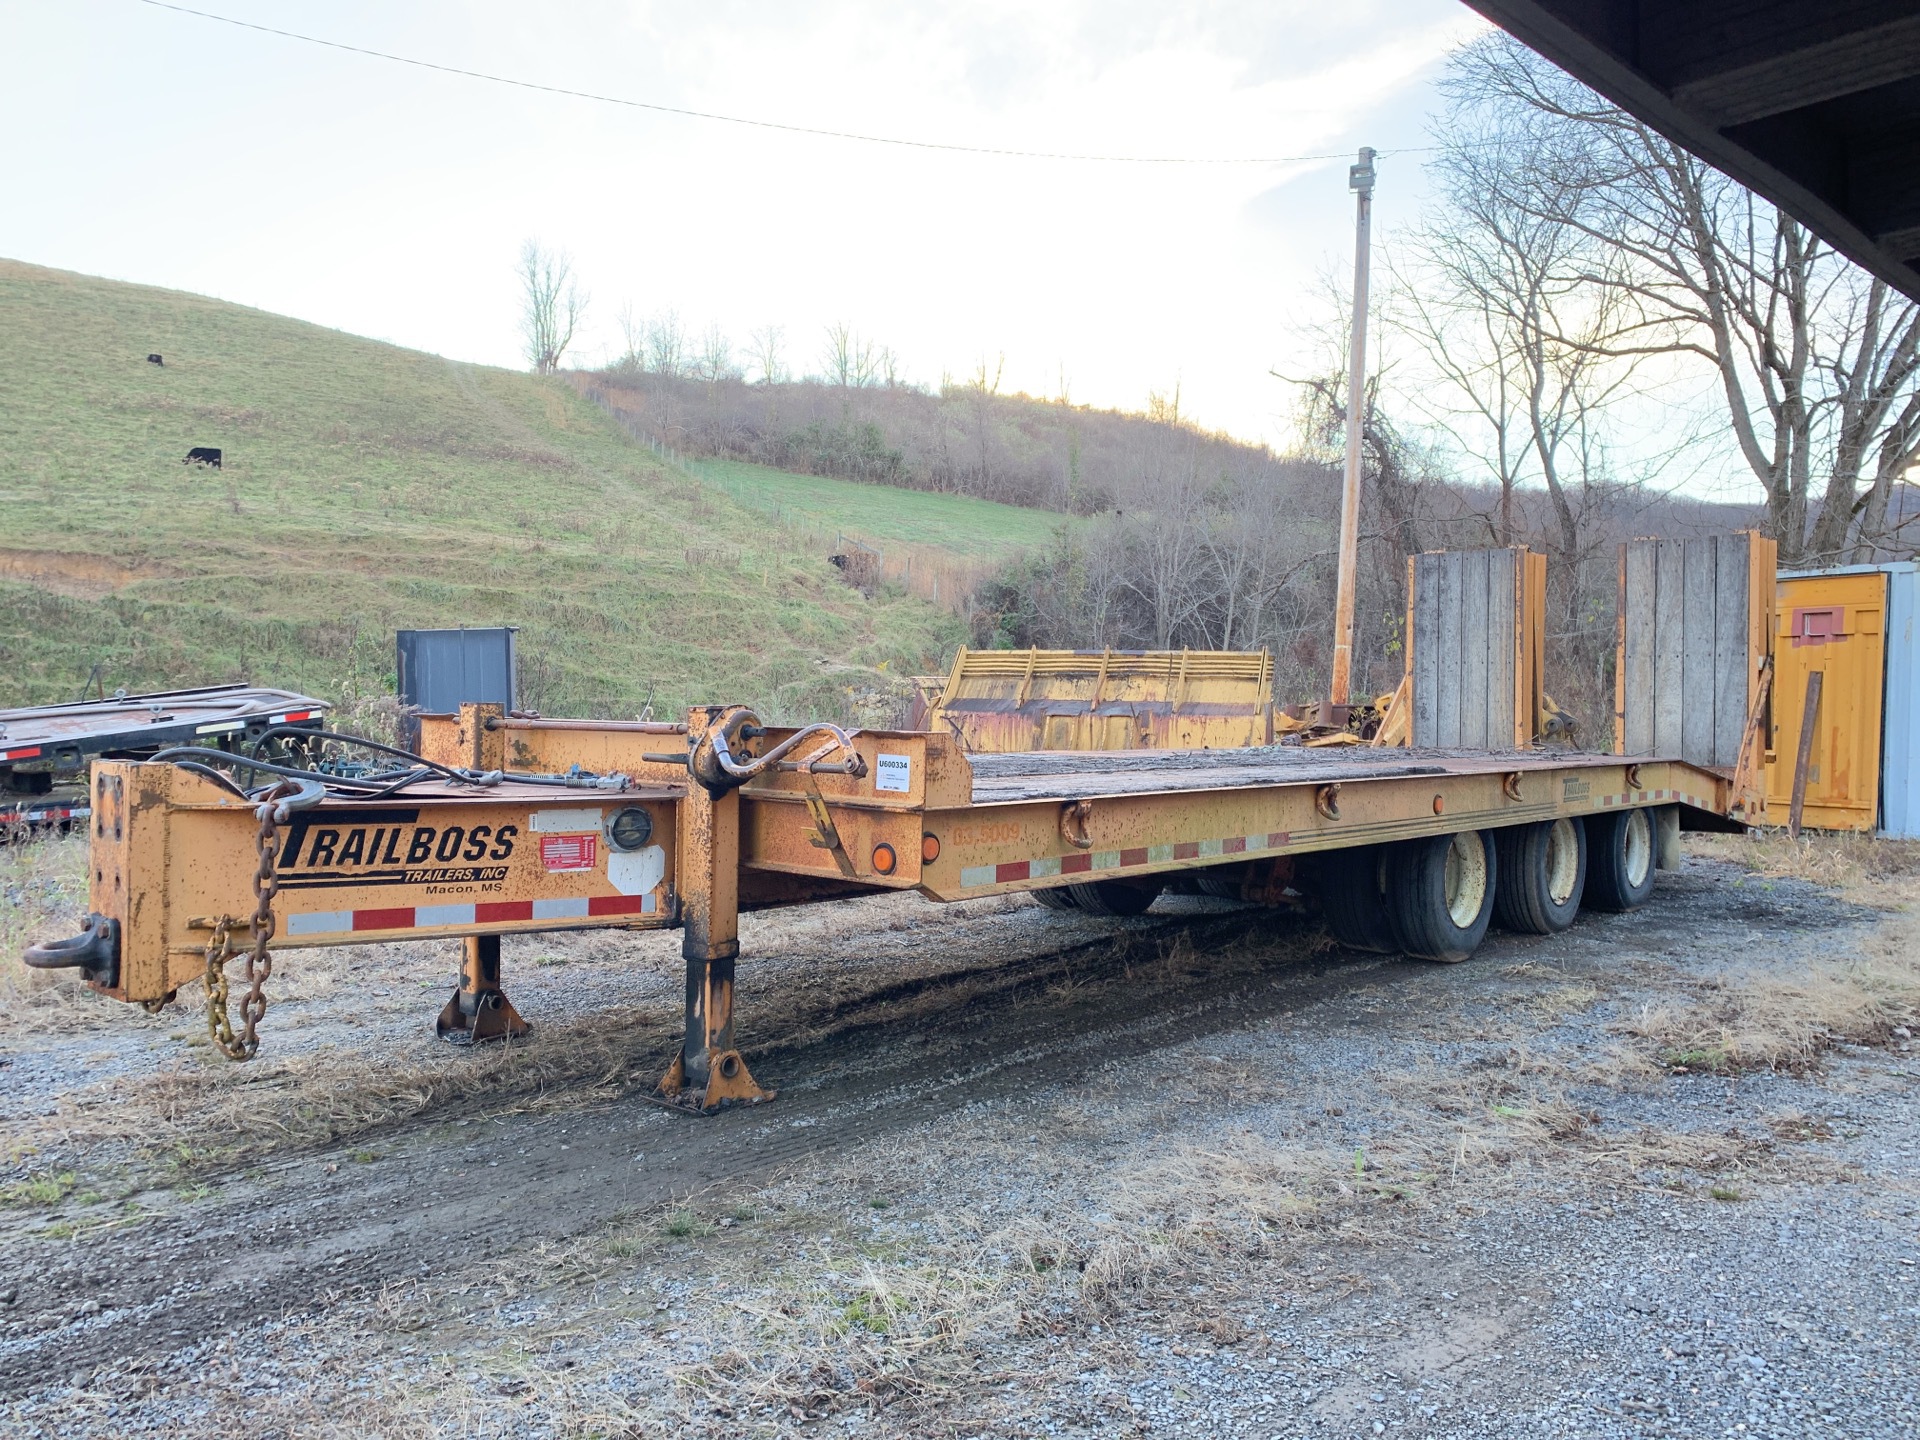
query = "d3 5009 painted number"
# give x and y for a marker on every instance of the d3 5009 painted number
(990, 832)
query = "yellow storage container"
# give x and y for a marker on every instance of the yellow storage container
(1833, 624)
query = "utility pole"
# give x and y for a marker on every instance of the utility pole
(1360, 181)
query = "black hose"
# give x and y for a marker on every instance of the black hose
(201, 756)
(340, 737)
(382, 786)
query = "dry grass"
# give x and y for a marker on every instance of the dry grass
(213, 1112)
(1861, 867)
(43, 896)
(1787, 1018)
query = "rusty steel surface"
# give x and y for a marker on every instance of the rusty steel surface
(709, 1072)
(173, 852)
(1016, 700)
(475, 855)
(1035, 821)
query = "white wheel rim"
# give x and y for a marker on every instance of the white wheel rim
(1639, 847)
(1563, 861)
(1466, 879)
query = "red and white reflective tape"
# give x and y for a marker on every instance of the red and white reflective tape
(32, 815)
(291, 717)
(1089, 862)
(495, 912)
(1048, 867)
(1653, 797)
(31, 752)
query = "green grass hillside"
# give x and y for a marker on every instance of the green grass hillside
(367, 487)
(881, 513)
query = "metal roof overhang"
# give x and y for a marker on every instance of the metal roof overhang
(1814, 104)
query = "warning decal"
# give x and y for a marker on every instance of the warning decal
(569, 852)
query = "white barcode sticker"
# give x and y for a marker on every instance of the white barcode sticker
(893, 772)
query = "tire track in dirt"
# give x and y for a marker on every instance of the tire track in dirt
(447, 1193)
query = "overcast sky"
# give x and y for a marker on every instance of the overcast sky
(388, 200)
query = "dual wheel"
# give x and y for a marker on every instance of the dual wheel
(1434, 898)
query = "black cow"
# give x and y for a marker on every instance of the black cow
(155, 360)
(203, 455)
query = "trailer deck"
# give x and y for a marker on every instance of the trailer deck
(45, 749)
(1067, 775)
(510, 825)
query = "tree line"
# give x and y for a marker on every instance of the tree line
(1585, 318)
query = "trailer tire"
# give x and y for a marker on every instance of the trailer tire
(1222, 882)
(1620, 860)
(1353, 899)
(1440, 894)
(1543, 873)
(1056, 897)
(1113, 897)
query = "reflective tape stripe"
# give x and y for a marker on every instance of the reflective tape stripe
(1045, 867)
(424, 915)
(497, 912)
(320, 922)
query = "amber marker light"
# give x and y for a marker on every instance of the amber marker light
(929, 849)
(1439, 804)
(884, 859)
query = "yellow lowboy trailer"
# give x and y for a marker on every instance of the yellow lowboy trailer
(508, 825)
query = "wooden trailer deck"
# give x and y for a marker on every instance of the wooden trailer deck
(1066, 775)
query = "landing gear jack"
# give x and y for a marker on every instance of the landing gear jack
(479, 1010)
(709, 1072)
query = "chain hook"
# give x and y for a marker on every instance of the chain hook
(272, 809)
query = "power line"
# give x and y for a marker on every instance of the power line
(755, 124)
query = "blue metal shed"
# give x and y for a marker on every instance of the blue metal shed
(1900, 742)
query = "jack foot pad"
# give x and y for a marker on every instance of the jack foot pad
(728, 1083)
(473, 1019)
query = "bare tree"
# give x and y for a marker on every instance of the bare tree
(847, 359)
(714, 363)
(553, 305)
(633, 340)
(1526, 327)
(764, 350)
(668, 349)
(1818, 365)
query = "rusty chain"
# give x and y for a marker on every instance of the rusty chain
(220, 949)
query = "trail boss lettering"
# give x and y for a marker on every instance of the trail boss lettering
(389, 847)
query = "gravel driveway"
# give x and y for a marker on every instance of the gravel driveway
(1196, 1174)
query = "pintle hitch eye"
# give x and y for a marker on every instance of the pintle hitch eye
(94, 952)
